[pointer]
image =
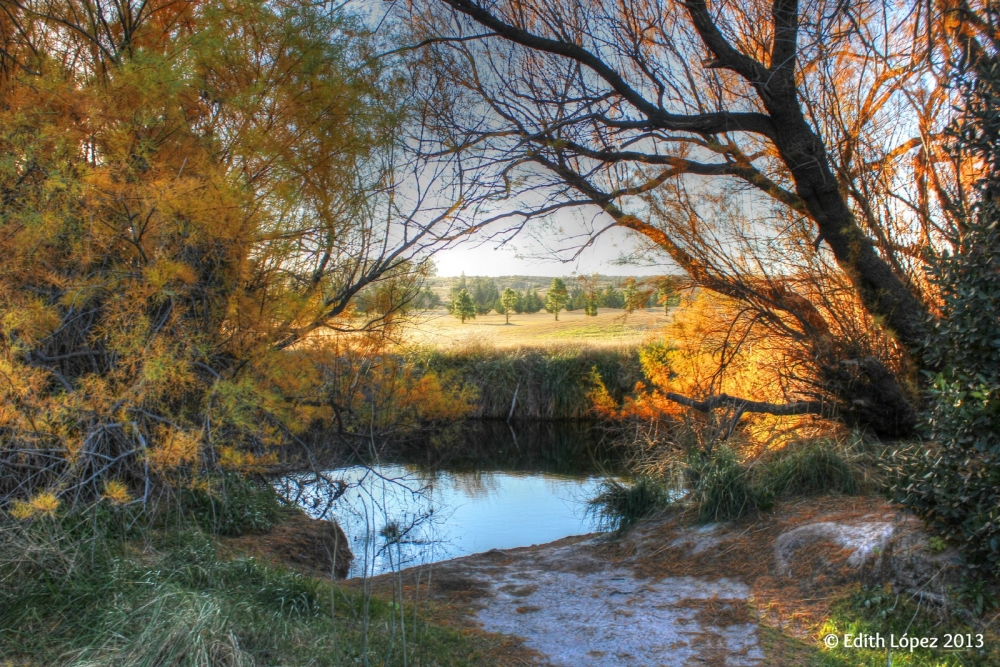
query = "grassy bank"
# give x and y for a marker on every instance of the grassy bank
(722, 485)
(554, 383)
(89, 589)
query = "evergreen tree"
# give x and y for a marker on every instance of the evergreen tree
(463, 306)
(462, 284)
(426, 299)
(589, 294)
(484, 294)
(532, 302)
(519, 304)
(632, 296)
(507, 303)
(666, 293)
(957, 487)
(577, 299)
(557, 296)
(611, 298)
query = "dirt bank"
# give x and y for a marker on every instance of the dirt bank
(318, 548)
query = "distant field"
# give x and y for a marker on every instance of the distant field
(611, 327)
(442, 285)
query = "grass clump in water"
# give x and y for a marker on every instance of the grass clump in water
(619, 505)
(718, 484)
(722, 488)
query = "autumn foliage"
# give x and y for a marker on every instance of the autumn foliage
(187, 194)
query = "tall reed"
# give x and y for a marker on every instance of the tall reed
(554, 383)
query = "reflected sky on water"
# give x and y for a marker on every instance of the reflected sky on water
(398, 516)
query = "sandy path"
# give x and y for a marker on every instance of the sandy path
(579, 612)
(674, 594)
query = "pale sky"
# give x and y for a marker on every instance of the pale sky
(523, 256)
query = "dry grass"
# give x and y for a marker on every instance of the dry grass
(610, 328)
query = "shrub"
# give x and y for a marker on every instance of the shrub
(955, 484)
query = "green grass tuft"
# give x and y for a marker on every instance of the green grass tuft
(812, 469)
(232, 505)
(619, 505)
(722, 488)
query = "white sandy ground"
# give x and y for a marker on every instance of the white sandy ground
(607, 617)
(576, 608)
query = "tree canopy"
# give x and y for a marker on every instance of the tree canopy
(190, 192)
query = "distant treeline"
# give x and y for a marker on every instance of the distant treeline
(582, 292)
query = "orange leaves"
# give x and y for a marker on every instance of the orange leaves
(173, 449)
(161, 275)
(42, 504)
(169, 183)
(32, 321)
(238, 460)
(436, 398)
(116, 492)
(603, 404)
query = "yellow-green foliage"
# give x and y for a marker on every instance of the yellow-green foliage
(183, 202)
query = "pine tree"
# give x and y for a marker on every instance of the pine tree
(462, 284)
(532, 302)
(666, 294)
(557, 296)
(508, 302)
(632, 297)
(426, 299)
(484, 294)
(463, 307)
(519, 304)
(611, 298)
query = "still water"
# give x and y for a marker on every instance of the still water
(398, 516)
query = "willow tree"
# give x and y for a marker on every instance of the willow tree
(786, 155)
(190, 192)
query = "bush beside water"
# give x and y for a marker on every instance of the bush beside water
(230, 504)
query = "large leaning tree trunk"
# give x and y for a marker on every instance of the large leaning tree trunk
(817, 117)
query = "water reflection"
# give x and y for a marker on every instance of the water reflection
(398, 516)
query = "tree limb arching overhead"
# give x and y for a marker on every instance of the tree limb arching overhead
(617, 100)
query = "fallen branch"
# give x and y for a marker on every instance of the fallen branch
(741, 406)
(745, 405)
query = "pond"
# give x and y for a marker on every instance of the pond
(402, 514)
